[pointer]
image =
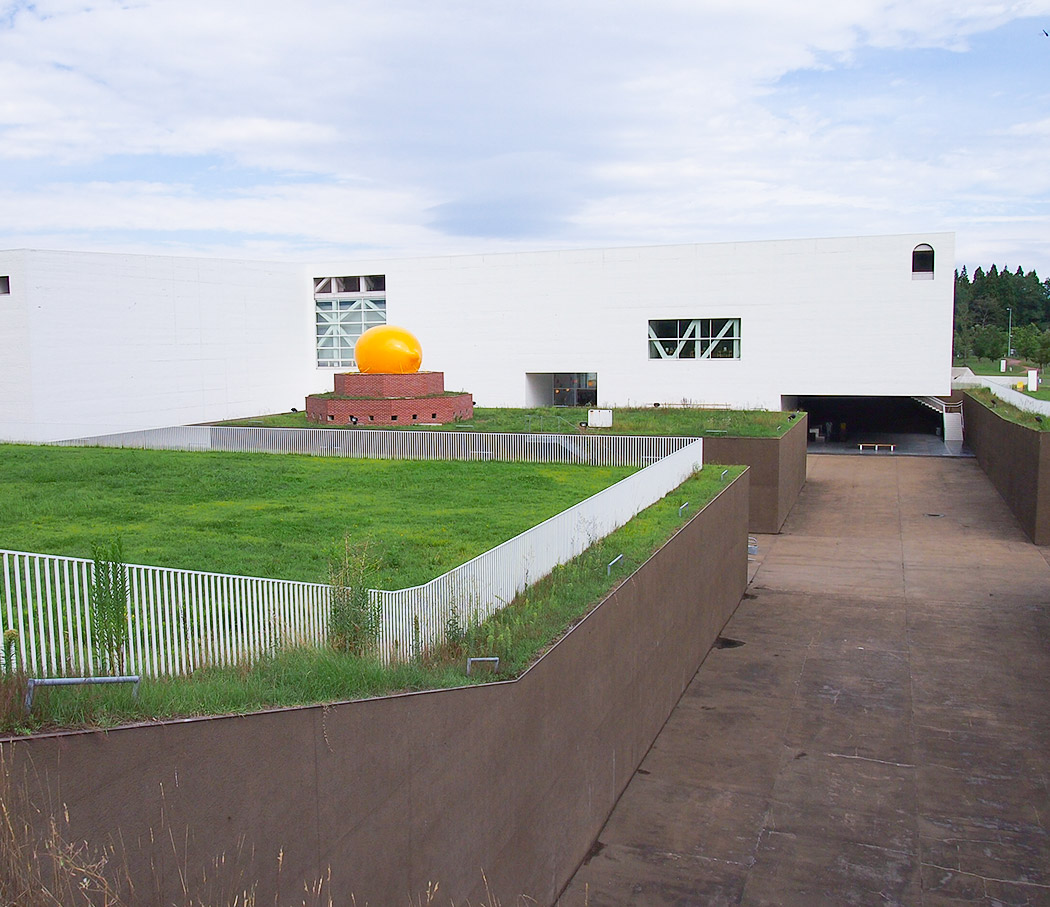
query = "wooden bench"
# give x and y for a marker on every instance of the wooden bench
(877, 447)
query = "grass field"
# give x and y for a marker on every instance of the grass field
(673, 421)
(276, 516)
(517, 634)
(991, 366)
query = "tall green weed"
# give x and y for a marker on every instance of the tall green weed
(108, 598)
(353, 617)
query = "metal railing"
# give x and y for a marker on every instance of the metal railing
(378, 444)
(33, 682)
(473, 591)
(938, 405)
(179, 620)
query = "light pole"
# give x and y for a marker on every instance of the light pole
(1009, 331)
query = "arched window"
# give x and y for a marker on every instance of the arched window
(922, 262)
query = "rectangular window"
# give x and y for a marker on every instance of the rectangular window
(575, 388)
(342, 313)
(694, 338)
(347, 284)
(5, 285)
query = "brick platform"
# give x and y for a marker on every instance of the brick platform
(418, 384)
(385, 399)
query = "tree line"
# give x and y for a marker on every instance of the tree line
(986, 306)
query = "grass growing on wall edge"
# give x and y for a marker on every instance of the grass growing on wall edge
(1008, 411)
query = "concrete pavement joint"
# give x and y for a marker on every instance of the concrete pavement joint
(977, 875)
(890, 850)
(868, 759)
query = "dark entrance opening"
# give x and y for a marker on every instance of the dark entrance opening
(850, 419)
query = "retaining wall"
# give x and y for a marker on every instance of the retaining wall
(512, 779)
(778, 471)
(1017, 460)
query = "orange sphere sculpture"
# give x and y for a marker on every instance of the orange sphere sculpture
(389, 350)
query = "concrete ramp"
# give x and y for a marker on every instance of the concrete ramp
(872, 727)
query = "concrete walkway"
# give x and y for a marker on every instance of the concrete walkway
(882, 736)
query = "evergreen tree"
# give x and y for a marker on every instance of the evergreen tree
(1031, 299)
(986, 302)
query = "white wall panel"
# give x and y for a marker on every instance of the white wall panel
(118, 342)
(829, 316)
(15, 360)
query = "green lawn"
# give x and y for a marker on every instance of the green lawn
(281, 516)
(518, 634)
(674, 421)
(991, 366)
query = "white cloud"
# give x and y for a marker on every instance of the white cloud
(311, 211)
(413, 124)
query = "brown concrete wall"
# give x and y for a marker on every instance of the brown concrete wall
(512, 779)
(1017, 460)
(778, 471)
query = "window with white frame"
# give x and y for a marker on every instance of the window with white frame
(694, 338)
(344, 308)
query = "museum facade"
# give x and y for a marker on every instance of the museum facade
(92, 343)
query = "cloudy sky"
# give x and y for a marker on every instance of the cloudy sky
(332, 128)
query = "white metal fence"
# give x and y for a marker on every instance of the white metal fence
(179, 620)
(594, 450)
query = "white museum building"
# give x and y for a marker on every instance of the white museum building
(92, 343)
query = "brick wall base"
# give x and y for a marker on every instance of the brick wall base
(386, 412)
(388, 399)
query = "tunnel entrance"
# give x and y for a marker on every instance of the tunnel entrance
(853, 424)
(851, 417)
